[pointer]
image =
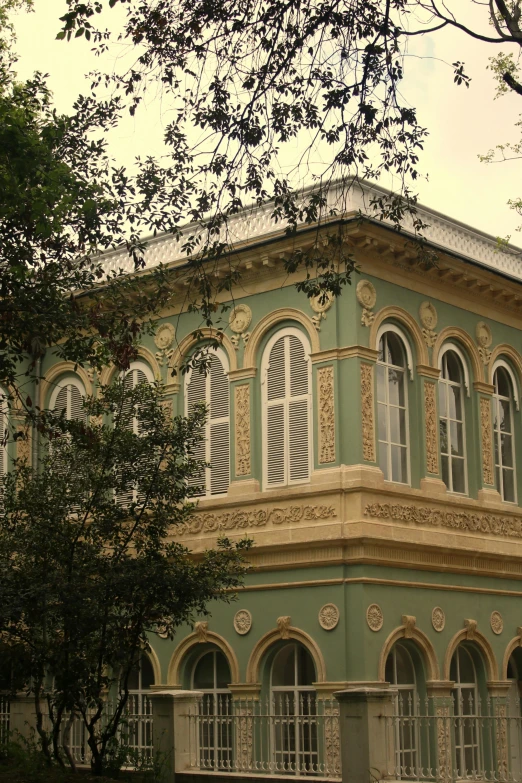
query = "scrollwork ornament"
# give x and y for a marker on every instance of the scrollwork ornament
(368, 429)
(242, 621)
(497, 622)
(326, 410)
(374, 617)
(163, 340)
(329, 617)
(484, 340)
(367, 297)
(438, 618)
(320, 304)
(239, 320)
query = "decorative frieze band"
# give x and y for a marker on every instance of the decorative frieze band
(430, 413)
(487, 446)
(258, 517)
(326, 410)
(367, 416)
(457, 520)
(242, 433)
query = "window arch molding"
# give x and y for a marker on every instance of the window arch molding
(483, 646)
(391, 327)
(264, 644)
(222, 356)
(54, 375)
(423, 644)
(506, 352)
(513, 645)
(460, 338)
(451, 346)
(137, 365)
(391, 312)
(145, 357)
(514, 382)
(191, 340)
(274, 319)
(186, 647)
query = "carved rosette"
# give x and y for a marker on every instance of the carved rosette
(242, 622)
(487, 446)
(438, 619)
(374, 617)
(242, 430)
(428, 316)
(430, 417)
(367, 417)
(497, 623)
(163, 340)
(325, 386)
(329, 617)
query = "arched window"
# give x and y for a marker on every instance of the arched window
(212, 389)
(137, 373)
(452, 422)
(504, 435)
(211, 675)
(287, 430)
(392, 408)
(137, 728)
(68, 397)
(466, 708)
(400, 673)
(294, 707)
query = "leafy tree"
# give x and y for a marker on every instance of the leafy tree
(89, 563)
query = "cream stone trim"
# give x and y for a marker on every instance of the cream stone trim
(242, 374)
(486, 441)
(326, 414)
(484, 646)
(407, 320)
(348, 352)
(108, 373)
(270, 320)
(269, 638)
(483, 388)
(242, 429)
(423, 643)
(460, 336)
(367, 412)
(191, 340)
(190, 641)
(431, 426)
(510, 649)
(52, 375)
(428, 371)
(504, 350)
(155, 662)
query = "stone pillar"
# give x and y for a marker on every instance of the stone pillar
(245, 705)
(366, 727)
(498, 696)
(441, 698)
(22, 716)
(176, 731)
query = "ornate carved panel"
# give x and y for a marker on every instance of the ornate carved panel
(242, 408)
(218, 522)
(325, 386)
(430, 412)
(487, 446)
(368, 427)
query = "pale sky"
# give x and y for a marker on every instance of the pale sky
(462, 122)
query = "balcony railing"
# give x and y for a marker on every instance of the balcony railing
(288, 734)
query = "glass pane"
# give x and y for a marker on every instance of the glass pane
(398, 425)
(457, 474)
(456, 439)
(399, 464)
(134, 679)
(405, 675)
(204, 672)
(443, 434)
(442, 399)
(382, 348)
(453, 669)
(223, 677)
(395, 350)
(467, 670)
(147, 673)
(283, 672)
(383, 459)
(506, 446)
(381, 383)
(453, 366)
(454, 399)
(509, 485)
(305, 667)
(445, 470)
(381, 419)
(389, 675)
(396, 387)
(502, 383)
(505, 416)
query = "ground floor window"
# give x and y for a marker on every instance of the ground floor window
(211, 675)
(467, 712)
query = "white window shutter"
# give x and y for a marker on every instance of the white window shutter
(60, 404)
(196, 391)
(298, 413)
(219, 426)
(76, 410)
(275, 446)
(131, 380)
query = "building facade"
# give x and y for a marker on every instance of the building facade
(371, 447)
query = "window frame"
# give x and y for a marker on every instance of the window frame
(465, 390)
(223, 358)
(288, 331)
(407, 369)
(66, 380)
(513, 405)
(214, 754)
(460, 717)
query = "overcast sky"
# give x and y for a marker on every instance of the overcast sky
(462, 122)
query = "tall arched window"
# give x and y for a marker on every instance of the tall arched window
(68, 397)
(212, 388)
(211, 675)
(293, 705)
(452, 422)
(400, 673)
(287, 430)
(392, 408)
(138, 724)
(467, 713)
(504, 435)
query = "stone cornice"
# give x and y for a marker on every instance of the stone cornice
(484, 388)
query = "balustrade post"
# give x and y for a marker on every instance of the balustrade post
(366, 728)
(441, 697)
(245, 704)
(175, 731)
(498, 695)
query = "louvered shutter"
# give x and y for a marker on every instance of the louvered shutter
(132, 379)
(196, 391)
(60, 403)
(275, 414)
(219, 428)
(298, 413)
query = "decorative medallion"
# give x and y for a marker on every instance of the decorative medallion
(164, 336)
(438, 619)
(242, 621)
(471, 629)
(239, 320)
(366, 296)
(320, 304)
(484, 340)
(428, 317)
(496, 622)
(374, 617)
(201, 631)
(328, 617)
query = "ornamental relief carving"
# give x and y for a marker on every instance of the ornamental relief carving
(242, 622)
(242, 430)
(367, 297)
(430, 412)
(487, 447)
(497, 622)
(259, 517)
(374, 617)
(438, 619)
(326, 410)
(239, 320)
(320, 304)
(484, 340)
(468, 521)
(428, 317)
(329, 617)
(368, 429)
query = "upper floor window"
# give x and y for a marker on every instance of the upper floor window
(212, 388)
(67, 397)
(287, 430)
(452, 421)
(504, 436)
(392, 408)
